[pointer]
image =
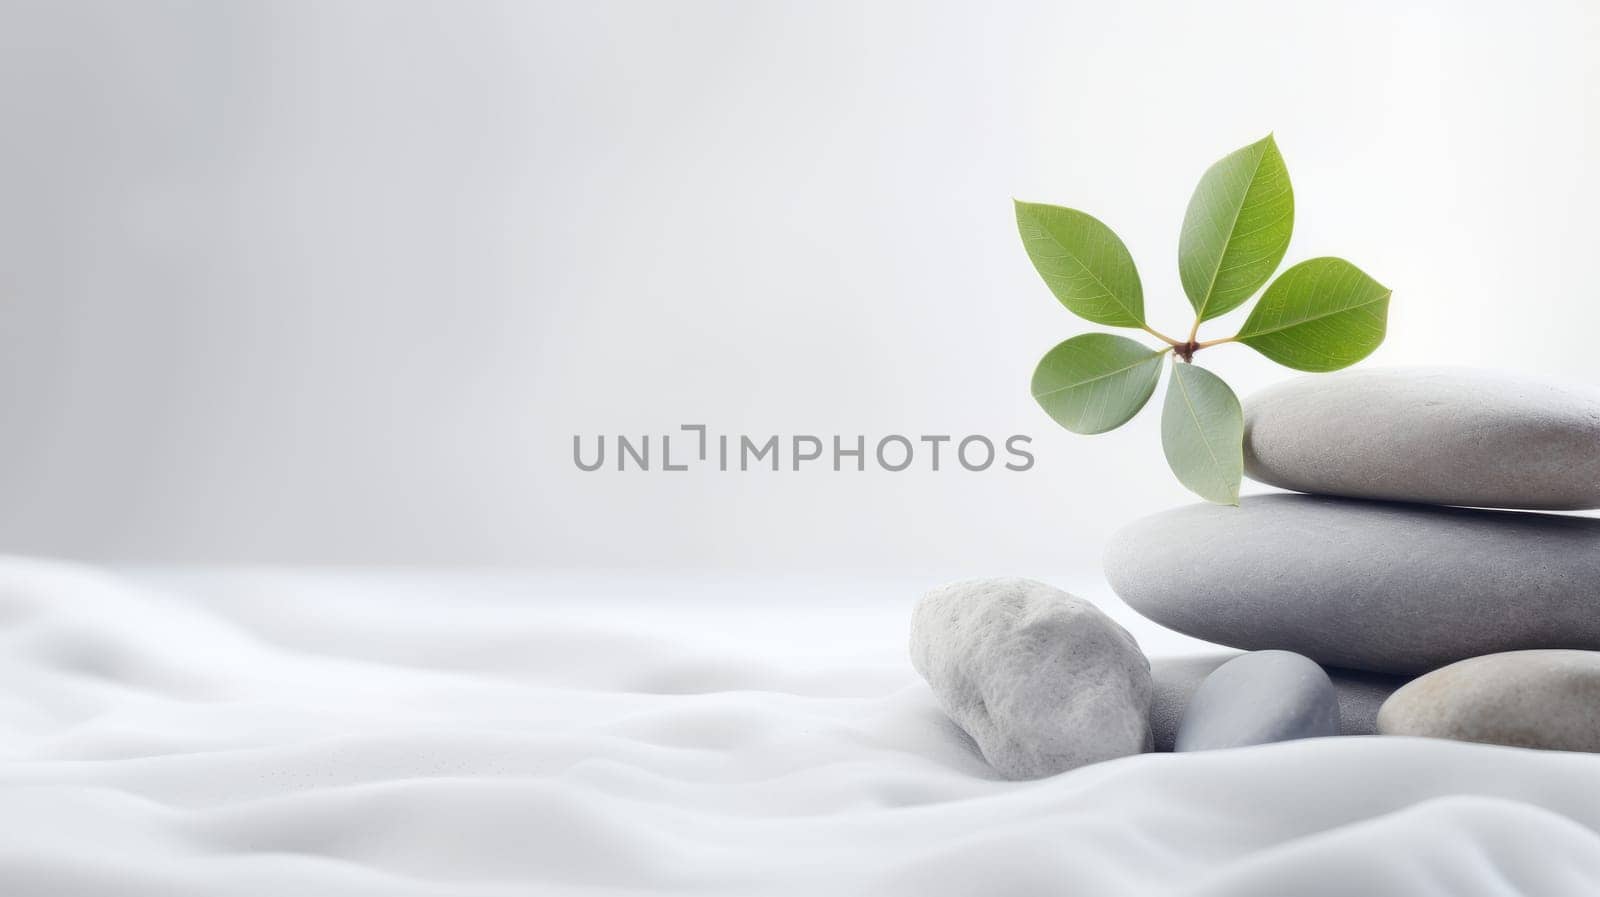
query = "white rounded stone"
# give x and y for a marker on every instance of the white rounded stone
(1042, 680)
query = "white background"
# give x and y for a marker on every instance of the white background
(338, 282)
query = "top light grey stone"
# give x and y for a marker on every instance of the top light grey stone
(1447, 436)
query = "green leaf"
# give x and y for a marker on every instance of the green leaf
(1085, 265)
(1320, 315)
(1202, 433)
(1236, 229)
(1096, 382)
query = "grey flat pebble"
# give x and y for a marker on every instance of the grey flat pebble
(1536, 699)
(1177, 678)
(1259, 698)
(1449, 436)
(1042, 680)
(1376, 586)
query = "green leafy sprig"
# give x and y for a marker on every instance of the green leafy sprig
(1320, 315)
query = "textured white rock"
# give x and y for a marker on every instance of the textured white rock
(1449, 436)
(1537, 699)
(1042, 680)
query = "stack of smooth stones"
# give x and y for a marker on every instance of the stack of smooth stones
(1393, 561)
(1413, 587)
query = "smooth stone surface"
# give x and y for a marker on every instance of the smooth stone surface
(1449, 436)
(1375, 586)
(1536, 699)
(1040, 679)
(1176, 680)
(1260, 698)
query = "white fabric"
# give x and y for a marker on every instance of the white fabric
(277, 732)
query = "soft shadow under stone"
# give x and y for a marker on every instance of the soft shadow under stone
(1379, 586)
(1176, 678)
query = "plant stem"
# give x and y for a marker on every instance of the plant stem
(1171, 343)
(1186, 350)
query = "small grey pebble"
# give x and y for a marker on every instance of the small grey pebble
(1259, 698)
